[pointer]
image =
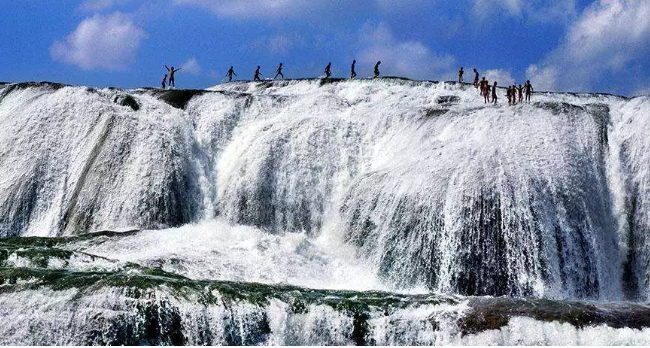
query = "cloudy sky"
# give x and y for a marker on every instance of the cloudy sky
(576, 45)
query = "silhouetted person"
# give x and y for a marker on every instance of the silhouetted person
(230, 73)
(475, 78)
(512, 95)
(485, 90)
(509, 94)
(256, 77)
(528, 89)
(483, 86)
(279, 72)
(520, 92)
(172, 71)
(164, 81)
(377, 68)
(494, 93)
(353, 73)
(328, 70)
(460, 75)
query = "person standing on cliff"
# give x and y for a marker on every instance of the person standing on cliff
(528, 89)
(279, 72)
(256, 76)
(460, 75)
(485, 90)
(230, 73)
(353, 73)
(483, 86)
(172, 71)
(164, 81)
(377, 68)
(328, 70)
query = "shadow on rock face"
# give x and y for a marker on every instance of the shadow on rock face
(177, 98)
(24, 85)
(127, 100)
(448, 100)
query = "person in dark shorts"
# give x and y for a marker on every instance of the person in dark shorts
(485, 90)
(256, 76)
(230, 73)
(528, 89)
(328, 70)
(520, 93)
(494, 93)
(353, 73)
(483, 85)
(377, 68)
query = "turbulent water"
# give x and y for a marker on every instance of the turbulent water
(418, 214)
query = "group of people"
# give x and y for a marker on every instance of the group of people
(172, 81)
(257, 75)
(513, 93)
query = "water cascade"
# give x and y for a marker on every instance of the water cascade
(382, 211)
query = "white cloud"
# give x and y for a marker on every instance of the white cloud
(536, 10)
(277, 44)
(408, 59)
(101, 42)
(503, 77)
(99, 5)
(546, 79)
(191, 66)
(274, 9)
(241, 9)
(610, 36)
(554, 11)
(610, 29)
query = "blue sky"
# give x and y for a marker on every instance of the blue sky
(577, 45)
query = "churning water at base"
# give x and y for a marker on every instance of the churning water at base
(402, 201)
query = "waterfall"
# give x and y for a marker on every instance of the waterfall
(406, 187)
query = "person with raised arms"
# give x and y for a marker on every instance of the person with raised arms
(172, 72)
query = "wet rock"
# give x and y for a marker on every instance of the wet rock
(448, 100)
(127, 100)
(178, 98)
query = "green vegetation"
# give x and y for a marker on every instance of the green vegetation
(141, 282)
